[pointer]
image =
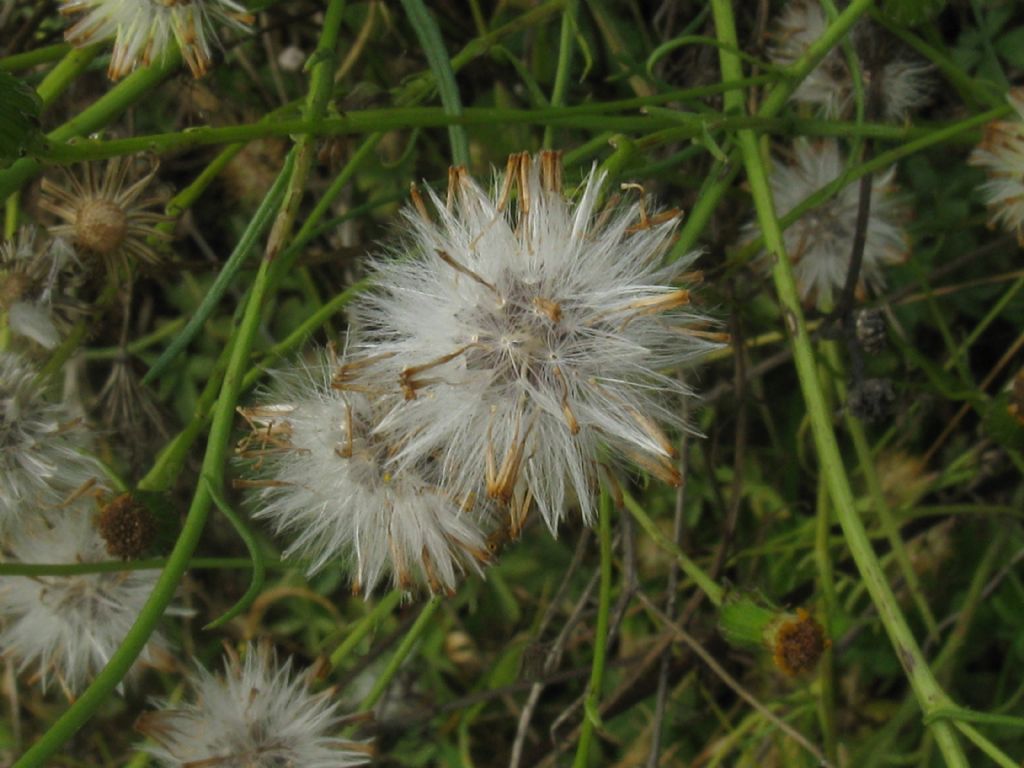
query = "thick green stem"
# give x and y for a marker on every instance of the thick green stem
(922, 681)
(70, 67)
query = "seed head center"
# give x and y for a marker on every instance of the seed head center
(100, 226)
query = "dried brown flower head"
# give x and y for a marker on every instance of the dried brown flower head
(126, 526)
(106, 214)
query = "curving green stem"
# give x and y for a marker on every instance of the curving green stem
(926, 688)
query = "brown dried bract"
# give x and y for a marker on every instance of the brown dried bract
(127, 526)
(799, 643)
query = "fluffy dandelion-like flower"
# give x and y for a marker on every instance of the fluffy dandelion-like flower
(258, 715)
(905, 85)
(143, 29)
(325, 477)
(68, 626)
(35, 281)
(821, 241)
(1001, 154)
(104, 215)
(528, 340)
(42, 448)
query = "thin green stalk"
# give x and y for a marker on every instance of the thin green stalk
(365, 625)
(592, 699)
(437, 57)
(592, 117)
(320, 81)
(879, 505)
(564, 65)
(923, 682)
(68, 69)
(234, 263)
(259, 566)
(704, 582)
(885, 517)
(141, 344)
(401, 653)
(973, 735)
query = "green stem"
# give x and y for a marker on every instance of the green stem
(592, 700)
(922, 681)
(677, 127)
(998, 756)
(32, 58)
(830, 605)
(401, 653)
(367, 624)
(704, 582)
(69, 68)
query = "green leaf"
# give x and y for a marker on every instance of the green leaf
(1010, 47)
(19, 117)
(912, 11)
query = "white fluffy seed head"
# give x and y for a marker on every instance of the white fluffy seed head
(820, 243)
(528, 337)
(324, 478)
(39, 277)
(257, 715)
(143, 30)
(67, 627)
(42, 448)
(1001, 154)
(906, 85)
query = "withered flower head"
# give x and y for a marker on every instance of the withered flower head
(105, 213)
(144, 30)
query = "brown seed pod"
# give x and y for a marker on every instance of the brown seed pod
(127, 526)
